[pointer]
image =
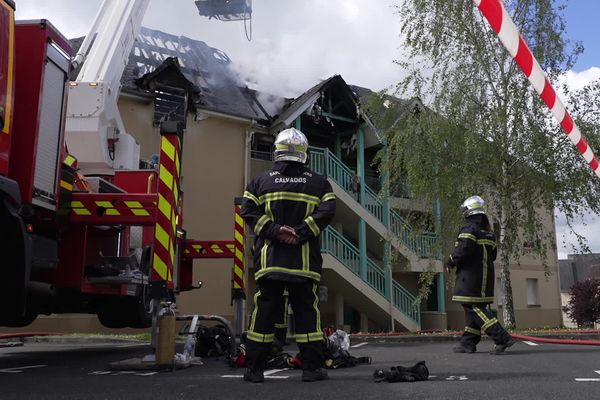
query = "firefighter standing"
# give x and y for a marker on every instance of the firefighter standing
(473, 257)
(287, 207)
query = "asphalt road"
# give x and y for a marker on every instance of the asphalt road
(81, 371)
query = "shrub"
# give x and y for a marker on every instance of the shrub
(584, 305)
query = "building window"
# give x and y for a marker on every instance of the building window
(532, 292)
(262, 147)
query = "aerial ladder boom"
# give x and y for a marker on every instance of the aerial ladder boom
(95, 133)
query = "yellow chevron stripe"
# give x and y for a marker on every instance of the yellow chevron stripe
(168, 148)
(79, 209)
(166, 177)
(239, 237)
(239, 220)
(239, 254)
(66, 185)
(160, 267)
(164, 206)
(69, 160)
(162, 236)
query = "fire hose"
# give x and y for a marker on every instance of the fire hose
(557, 341)
(516, 336)
(26, 334)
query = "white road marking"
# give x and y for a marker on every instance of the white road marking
(266, 376)
(116, 373)
(273, 371)
(530, 343)
(146, 373)
(589, 379)
(18, 370)
(359, 345)
(457, 378)
(100, 373)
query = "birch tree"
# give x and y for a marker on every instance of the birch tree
(483, 129)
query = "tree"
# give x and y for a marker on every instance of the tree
(584, 304)
(484, 130)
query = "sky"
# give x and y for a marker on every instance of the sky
(296, 43)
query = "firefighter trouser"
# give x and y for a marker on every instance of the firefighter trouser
(267, 310)
(281, 324)
(477, 319)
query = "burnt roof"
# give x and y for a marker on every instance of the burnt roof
(206, 68)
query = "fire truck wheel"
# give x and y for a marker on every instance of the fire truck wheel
(139, 309)
(112, 313)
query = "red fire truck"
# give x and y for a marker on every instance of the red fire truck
(70, 243)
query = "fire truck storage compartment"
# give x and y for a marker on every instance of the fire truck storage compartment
(51, 125)
(42, 65)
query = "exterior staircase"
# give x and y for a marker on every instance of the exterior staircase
(384, 296)
(380, 294)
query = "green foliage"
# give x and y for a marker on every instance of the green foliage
(476, 126)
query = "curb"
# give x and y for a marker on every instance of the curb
(457, 336)
(79, 340)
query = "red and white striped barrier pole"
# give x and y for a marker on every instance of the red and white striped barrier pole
(505, 28)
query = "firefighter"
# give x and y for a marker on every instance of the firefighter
(473, 257)
(287, 207)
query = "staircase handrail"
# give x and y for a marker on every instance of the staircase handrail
(334, 243)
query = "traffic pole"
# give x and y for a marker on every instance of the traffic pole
(238, 294)
(507, 31)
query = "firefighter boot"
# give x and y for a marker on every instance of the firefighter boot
(311, 375)
(502, 338)
(499, 348)
(256, 361)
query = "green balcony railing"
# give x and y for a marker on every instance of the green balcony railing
(341, 248)
(422, 244)
(324, 162)
(405, 302)
(344, 251)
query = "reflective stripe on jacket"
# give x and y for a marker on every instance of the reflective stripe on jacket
(289, 194)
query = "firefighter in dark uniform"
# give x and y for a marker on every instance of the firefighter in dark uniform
(287, 207)
(473, 257)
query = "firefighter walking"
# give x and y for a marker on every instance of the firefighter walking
(473, 257)
(287, 207)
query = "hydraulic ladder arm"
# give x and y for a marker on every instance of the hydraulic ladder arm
(95, 133)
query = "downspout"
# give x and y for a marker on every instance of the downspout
(248, 134)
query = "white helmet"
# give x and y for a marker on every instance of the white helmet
(291, 145)
(471, 206)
